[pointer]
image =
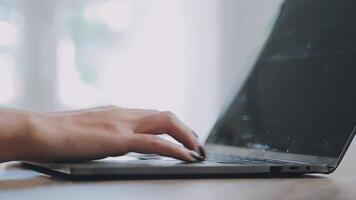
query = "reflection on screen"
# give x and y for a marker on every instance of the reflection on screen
(301, 95)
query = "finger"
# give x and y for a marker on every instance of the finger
(166, 122)
(150, 144)
(141, 112)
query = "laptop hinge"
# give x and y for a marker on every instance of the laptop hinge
(331, 167)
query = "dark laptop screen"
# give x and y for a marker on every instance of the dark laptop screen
(301, 95)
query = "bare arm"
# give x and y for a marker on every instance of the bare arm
(92, 134)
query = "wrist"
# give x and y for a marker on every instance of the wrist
(16, 134)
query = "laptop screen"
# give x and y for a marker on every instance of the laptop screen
(300, 97)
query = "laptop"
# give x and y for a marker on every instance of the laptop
(294, 111)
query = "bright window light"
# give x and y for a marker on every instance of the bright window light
(146, 68)
(7, 78)
(72, 91)
(118, 15)
(7, 34)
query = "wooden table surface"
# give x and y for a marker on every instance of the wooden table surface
(17, 183)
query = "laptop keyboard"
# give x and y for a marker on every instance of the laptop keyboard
(233, 159)
(220, 158)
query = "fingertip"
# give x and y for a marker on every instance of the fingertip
(202, 151)
(188, 156)
(196, 156)
(153, 144)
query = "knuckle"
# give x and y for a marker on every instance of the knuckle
(113, 107)
(169, 116)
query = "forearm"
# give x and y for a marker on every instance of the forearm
(93, 134)
(14, 134)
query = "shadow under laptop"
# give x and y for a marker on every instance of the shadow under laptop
(13, 176)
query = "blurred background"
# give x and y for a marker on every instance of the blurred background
(177, 55)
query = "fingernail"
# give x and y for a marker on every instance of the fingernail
(196, 135)
(202, 151)
(196, 156)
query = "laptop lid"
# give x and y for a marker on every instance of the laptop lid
(298, 101)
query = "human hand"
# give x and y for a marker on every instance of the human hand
(108, 131)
